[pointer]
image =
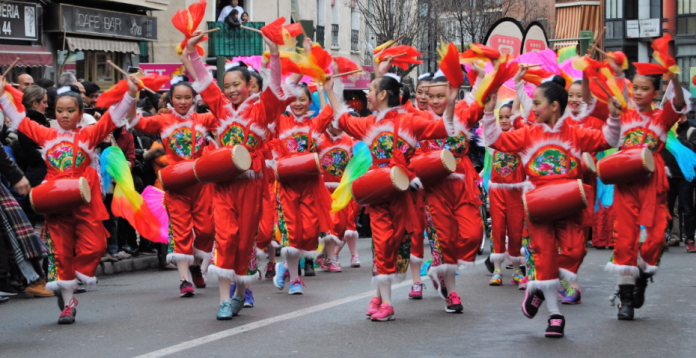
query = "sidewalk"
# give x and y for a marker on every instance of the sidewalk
(139, 263)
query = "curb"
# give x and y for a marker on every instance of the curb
(141, 263)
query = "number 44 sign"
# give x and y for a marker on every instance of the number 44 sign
(18, 21)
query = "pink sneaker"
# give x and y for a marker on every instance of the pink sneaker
(454, 303)
(386, 313)
(523, 284)
(321, 260)
(374, 306)
(354, 261)
(334, 265)
(416, 291)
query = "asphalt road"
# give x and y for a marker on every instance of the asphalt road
(141, 314)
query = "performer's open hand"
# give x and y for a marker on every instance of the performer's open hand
(520, 73)
(133, 85)
(272, 46)
(196, 38)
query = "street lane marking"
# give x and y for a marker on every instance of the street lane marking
(265, 322)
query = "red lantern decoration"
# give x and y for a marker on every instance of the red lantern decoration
(356, 104)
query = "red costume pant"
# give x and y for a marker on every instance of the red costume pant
(507, 217)
(457, 222)
(627, 208)
(548, 238)
(306, 215)
(268, 210)
(237, 215)
(79, 241)
(191, 217)
(417, 248)
(390, 244)
(603, 226)
(344, 221)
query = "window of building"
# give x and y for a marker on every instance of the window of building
(614, 9)
(614, 13)
(334, 26)
(321, 22)
(686, 17)
(655, 9)
(354, 28)
(686, 58)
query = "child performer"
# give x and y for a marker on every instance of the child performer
(190, 210)
(390, 128)
(508, 180)
(241, 118)
(550, 152)
(78, 235)
(643, 202)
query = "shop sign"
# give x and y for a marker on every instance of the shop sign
(361, 82)
(97, 22)
(18, 21)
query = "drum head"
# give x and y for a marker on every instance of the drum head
(648, 160)
(241, 157)
(85, 191)
(448, 160)
(399, 178)
(589, 162)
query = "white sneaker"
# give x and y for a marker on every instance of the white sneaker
(354, 261)
(123, 255)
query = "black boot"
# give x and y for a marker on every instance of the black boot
(639, 293)
(626, 304)
(309, 268)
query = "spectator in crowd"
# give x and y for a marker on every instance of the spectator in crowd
(51, 94)
(25, 80)
(91, 93)
(29, 156)
(45, 83)
(227, 10)
(245, 17)
(66, 79)
(681, 189)
(233, 18)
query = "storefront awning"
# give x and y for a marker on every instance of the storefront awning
(567, 25)
(85, 44)
(29, 56)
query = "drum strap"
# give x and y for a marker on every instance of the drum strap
(76, 148)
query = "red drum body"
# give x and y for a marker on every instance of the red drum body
(222, 164)
(379, 185)
(555, 201)
(588, 165)
(432, 167)
(626, 166)
(178, 176)
(299, 167)
(60, 196)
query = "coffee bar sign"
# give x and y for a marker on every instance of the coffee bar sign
(82, 20)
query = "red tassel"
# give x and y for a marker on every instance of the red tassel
(320, 57)
(535, 75)
(505, 70)
(661, 46)
(112, 95)
(449, 65)
(294, 29)
(647, 69)
(274, 31)
(403, 61)
(154, 82)
(480, 52)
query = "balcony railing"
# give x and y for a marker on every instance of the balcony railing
(354, 36)
(231, 42)
(320, 35)
(334, 36)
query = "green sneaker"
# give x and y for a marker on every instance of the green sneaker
(225, 311)
(237, 305)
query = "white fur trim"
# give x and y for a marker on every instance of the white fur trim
(350, 234)
(377, 129)
(87, 280)
(394, 76)
(525, 185)
(338, 112)
(176, 114)
(301, 119)
(275, 244)
(173, 258)
(541, 285)
(345, 148)
(244, 108)
(302, 130)
(465, 265)
(566, 275)
(556, 127)
(68, 137)
(202, 83)
(622, 269)
(91, 153)
(331, 185)
(442, 270)
(217, 272)
(416, 183)
(134, 122)
(246, 279)
(499, 257)
(202, 254)
(649, 269)
(687, 106)
(526, 156)
(328, 238)
(519, 259)
(229, 121)
(166, 132)
(118, 111)
(455, 176)
(612, 131)
(416, 259)
(390, 279)
(460, 127)
(379, 115)
(57, 285)
(626, 280)
(491, 129)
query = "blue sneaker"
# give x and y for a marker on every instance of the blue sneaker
(281, 272)
(237, 305)
(248, 298)
(225, 311)
(233, 288)
(296, 287)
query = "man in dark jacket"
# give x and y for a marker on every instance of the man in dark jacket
(680, 188)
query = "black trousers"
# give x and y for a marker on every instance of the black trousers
(682, 190)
